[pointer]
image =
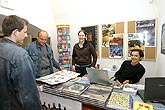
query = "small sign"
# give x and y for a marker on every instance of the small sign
(9, 4)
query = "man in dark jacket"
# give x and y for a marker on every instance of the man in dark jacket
(18, 90)
(42, 55)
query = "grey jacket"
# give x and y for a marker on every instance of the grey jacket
(18, 90)
(34, 50)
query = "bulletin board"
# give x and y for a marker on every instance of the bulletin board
(148, 28)
(108, 32)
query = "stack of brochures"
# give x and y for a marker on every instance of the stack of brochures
(56, 89)
(75, 90)
(132, 88)
(96, 95)
(58, 77)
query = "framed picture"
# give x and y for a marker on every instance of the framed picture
(116, 46)
(163, 39)
(148, 27)
(92, 35)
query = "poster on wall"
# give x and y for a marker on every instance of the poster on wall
(163, 39)
(92, 35)
(64, 48)
(116, 46)
(136, 41)
(107, 29)
(149, 29)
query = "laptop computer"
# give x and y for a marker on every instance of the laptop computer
(98, 76)
(154, 90)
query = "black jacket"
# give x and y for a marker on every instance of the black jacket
(130, 72)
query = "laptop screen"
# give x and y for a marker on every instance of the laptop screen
(154, 89)
(98, 76)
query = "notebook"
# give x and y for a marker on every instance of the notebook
(154, 90)
(98, 76)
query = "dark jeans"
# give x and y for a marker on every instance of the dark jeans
(82, 69)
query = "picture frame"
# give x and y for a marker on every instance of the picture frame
(92, 35)
(163, 39)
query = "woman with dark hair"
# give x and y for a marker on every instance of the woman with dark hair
(131, 71)
(84, 54)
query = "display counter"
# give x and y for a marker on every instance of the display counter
(77, 94)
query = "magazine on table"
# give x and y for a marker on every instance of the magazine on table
(58, 77)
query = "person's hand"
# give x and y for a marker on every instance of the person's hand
(126, 82)
(111, 77)
(61, 68)
(73, 68)
(119, 84)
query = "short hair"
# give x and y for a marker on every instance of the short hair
(40, 32)
(138, 50)
(83, 32)
(12, 22)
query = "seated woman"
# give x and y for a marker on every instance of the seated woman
(131, 71)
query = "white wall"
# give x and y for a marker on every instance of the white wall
(46, 14)
(38, 13)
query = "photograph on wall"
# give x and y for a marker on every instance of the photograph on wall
(136, 41)
(163, 39)
(107, 29)
(92, 35)
(116, 46)
(149, 29)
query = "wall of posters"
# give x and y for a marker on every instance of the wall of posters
(141, 34)
(148, 28)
